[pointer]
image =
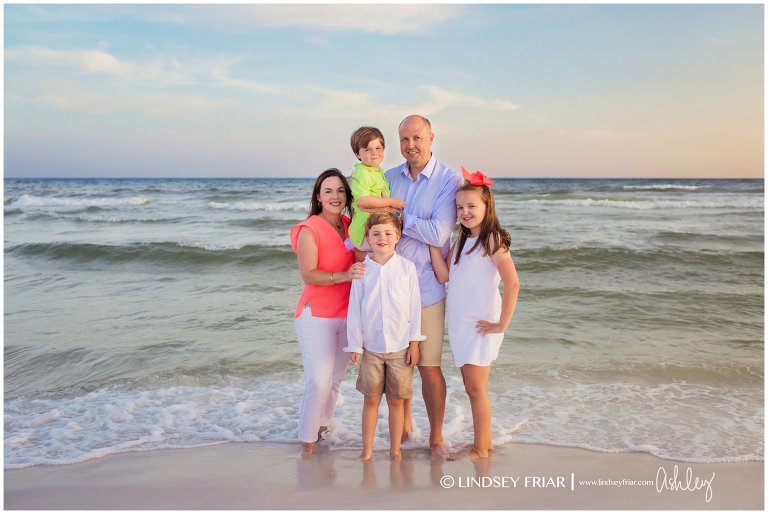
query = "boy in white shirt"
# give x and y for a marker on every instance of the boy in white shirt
(384, 325)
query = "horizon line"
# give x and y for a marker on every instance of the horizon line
(312, 177)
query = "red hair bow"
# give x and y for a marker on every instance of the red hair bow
(477, 178)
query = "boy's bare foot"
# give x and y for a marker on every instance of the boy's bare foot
(395, 455)
(366, 455)
(307, 449)
(474, 454)
(439, 450)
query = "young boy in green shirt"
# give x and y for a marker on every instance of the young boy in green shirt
(370, 189)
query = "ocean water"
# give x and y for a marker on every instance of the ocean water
(148, 314)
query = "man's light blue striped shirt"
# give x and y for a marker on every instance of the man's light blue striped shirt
(428, 219)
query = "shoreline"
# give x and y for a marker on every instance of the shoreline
(263, 475)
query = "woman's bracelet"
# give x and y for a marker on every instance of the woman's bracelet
(332, 281)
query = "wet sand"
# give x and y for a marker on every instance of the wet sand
(274, 476)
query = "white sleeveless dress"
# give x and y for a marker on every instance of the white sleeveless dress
(473, 295)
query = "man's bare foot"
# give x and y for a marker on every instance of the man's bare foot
(474, 454)
(439, 450)
(395, 455)
(407, 429)
(366, 455)
(307, 449)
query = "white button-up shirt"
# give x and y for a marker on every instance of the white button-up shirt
(384, 307)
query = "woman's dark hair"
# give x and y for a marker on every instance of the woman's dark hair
(314, 204)
(492, 236)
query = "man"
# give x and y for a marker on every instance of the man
(428, 188)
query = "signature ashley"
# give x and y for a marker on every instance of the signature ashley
(690, 483)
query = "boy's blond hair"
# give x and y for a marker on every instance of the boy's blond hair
(383, 218)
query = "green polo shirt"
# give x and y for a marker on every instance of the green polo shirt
(366, 181)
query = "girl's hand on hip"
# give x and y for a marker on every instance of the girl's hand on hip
(486, 327)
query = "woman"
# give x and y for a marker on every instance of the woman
(327, 267)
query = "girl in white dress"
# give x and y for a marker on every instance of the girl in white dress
(478, 315)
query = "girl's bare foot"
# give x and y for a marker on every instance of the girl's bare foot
(474, 454)
(366, 455)
(307, 449)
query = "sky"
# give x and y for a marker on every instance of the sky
(202, 90)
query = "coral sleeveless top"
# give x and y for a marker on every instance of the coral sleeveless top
(329, 301)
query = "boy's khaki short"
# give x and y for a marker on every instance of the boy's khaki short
(385, 373)
(432, 326)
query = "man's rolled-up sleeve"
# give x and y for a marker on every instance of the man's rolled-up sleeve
(435, 231)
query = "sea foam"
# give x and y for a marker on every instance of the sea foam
(640, 204)
(664, 187)
(27, 200)
(607, 418)
(259, 206)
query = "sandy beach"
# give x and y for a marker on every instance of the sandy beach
(274, 476)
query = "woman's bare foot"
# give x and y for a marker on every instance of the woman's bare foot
(307, 449)
(395, 455)
(321, 431)
(366, 455)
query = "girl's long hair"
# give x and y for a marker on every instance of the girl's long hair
(314, 204)
(492, 235)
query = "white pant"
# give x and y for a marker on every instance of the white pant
(321, 341)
